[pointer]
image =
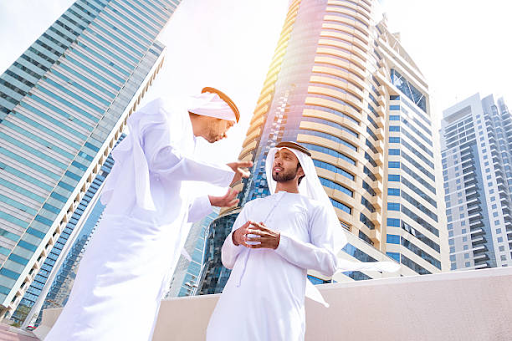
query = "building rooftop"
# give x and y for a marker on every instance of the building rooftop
(468, 305)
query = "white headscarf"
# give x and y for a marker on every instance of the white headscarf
(210, 104)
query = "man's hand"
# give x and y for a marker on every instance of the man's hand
(268, 238)
(239, 172)
(240, 235)
(227, 200)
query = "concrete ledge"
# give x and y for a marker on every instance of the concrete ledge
(470, 305)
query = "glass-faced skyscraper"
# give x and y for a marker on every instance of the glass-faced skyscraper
(186, 274)
(477, 169)
(341, 84)
(63, 104)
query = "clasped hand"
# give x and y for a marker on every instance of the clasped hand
(256, 232)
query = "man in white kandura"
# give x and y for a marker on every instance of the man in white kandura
(275, 240)
(125, 271)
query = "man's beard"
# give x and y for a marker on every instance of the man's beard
(284, 176)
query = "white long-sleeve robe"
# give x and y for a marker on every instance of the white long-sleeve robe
(264, 296)
(125, 270)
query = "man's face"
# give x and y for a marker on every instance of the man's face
(286, 166)
(217, 129)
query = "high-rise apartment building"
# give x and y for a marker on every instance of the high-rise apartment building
(50, 286)
(342, 85)
(63, 104)
(477, 158)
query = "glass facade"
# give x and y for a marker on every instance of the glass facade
(77, 232)
(63, 103)
(187, 272)
(336, 86)
(214, 276)
(477, 177)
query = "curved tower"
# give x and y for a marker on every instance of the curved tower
(341, 84)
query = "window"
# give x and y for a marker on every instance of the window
(393, 177)
(394, 255)
(394, 152)
(394, 139)
(393, 206)
(393, 222)
(393, 239)
(394, 164)
(394, 191)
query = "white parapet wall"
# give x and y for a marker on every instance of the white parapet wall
(465, 306)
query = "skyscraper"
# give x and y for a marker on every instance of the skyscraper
(186, 274)
(476, 156)
(51, 286)
(63, 104)
(342, 85)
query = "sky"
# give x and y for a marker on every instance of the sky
(459, 45)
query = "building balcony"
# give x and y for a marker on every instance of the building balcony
(482, 266)
(472, 212)
(378, 144)
(478, 241)
(376, 201)
(475, 215)
(475, 223)
(506, 216)
(471, 195)
(479, 250)
(508, 225)
(468, 163)
(467, 167)
(472, 187)
(477, 232)
(481, 256)
(473, 200)
(428, 307)
(471, 180)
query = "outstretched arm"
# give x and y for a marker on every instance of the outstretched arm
(165, 160)
(202, 206)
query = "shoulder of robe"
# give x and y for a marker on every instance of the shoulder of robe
(155, 112)
(316, 207)
(313, 203)
(248, 205)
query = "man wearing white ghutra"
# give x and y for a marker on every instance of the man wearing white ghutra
(275, 240)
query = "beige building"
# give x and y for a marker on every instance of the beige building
(341, 84)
